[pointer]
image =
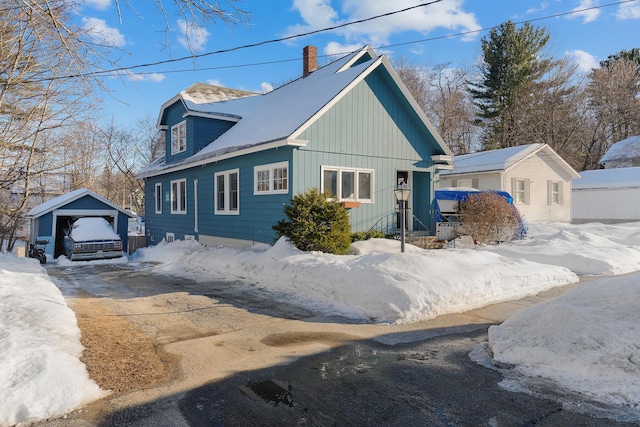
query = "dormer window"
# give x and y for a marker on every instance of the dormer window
(179, 138)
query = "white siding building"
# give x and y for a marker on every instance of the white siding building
(607, 196)
(537, 178)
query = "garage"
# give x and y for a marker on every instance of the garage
(50, 221)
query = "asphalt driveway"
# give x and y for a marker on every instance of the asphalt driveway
(246, 357)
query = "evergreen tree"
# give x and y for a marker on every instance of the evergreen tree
(316, 223)
(513, 64)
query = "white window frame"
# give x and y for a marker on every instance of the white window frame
(554, 196)
(268, 184)
(158, 197)
(521, 196)
(170, 237)
(179, 137)
(227, 193)
(178, 194)
(356, 182)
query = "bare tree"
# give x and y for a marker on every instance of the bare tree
(442, 94)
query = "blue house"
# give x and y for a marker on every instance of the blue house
(234, 159)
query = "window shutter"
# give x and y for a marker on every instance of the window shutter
(560, 193)
(549, 192)
(474, 183)
(527, 191)
(454, 182)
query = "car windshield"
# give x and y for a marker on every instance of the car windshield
(92, 229)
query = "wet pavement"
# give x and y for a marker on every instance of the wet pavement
(252, 358)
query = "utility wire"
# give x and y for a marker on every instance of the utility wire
(126, 70)
(429, 39)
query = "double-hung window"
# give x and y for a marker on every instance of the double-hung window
(179, 196)
(158, 198)
(271, 179)
(554, 192)
(179, 138)
(348, 184)
(227, 192)
(520, 190)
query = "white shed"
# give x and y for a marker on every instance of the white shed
(537, 178)
(607, 196)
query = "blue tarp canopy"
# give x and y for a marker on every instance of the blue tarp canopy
(460, 195)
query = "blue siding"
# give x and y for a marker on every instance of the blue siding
(371, 127)
(204, 131)
(257, 214)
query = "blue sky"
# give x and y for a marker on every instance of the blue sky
(586, 37)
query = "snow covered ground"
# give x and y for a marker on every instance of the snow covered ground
(589, 336)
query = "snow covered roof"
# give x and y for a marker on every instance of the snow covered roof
(279, 117)
(65, 199)
(623, 150)
(608, 178)
(502, 159)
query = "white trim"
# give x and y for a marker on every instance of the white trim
(227, 118)
(356, 171)
(195, 206)
(213, 158)
(227, 193)
(177, 210)
(271, 168)
(83, 212)
(169, 237)
(158, 193)
(176, 150)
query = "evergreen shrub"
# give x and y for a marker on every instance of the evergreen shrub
(316, 223)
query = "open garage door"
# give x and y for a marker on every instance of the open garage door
(64, 222)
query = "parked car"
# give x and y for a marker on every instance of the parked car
(92, 238)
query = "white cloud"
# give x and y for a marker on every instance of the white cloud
(144, 77)
(215, 82)
(103, 33)
(192, 37)
(319, 14)
(266, 87)
(629, 11)
(586, 15)
(584, 60)
(97, 4)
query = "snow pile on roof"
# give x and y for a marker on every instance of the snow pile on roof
(622, 151)
(200, 93)
(608, 178)
(491, 160)
(41, 375)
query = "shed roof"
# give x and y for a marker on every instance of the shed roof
(279, 117)
(628, 148)
(65, 199)
(608, 178)
(503, 159)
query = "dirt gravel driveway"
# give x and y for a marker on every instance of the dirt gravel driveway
(176, 352)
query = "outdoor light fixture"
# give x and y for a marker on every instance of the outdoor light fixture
(402, 192)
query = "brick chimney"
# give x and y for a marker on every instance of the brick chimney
(309, 60)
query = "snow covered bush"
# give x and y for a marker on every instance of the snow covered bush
(316, 223)
(489, 217)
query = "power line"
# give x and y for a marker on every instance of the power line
(429, 39)
(246, 46)
(117, 71)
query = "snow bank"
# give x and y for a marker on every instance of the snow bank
(41, 375)
(379, 284)
(586, 344)
(590, 249)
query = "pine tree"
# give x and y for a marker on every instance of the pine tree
(513, 63)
